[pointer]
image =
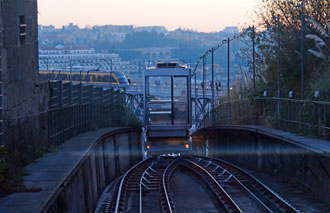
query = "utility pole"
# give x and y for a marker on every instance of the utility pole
(302, 47)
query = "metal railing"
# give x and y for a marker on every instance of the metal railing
(72, 109)
(306, 117)
(302, 116)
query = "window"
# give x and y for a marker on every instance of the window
(22, 30)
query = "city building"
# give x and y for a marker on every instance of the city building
(157, 29)
(68, 58)
(231, 30)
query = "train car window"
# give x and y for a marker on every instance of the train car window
(172, 65)
(161, 65)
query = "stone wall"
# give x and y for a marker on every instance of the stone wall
(21, 85)
(288, 159)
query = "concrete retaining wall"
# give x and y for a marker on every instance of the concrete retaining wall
(72, 179)
(282, 155)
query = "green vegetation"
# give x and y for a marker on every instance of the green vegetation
(279, 47)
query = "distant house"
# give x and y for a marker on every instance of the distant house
(231, 30)
(157, 29)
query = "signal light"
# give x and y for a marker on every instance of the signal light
(148, 147)
(186, 146)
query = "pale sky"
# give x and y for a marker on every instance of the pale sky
(202, 15)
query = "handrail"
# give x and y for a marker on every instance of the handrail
(293, 100)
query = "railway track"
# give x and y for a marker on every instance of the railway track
(213, 184)
(149, 184)
(233, 177)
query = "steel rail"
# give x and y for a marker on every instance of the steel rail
(276, 200)
(230, 205)
(245, 188)
(167, 206)
(122, 186)
(140, 191)
(141, 187)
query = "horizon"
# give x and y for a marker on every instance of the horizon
(136, 26)
(197, 15)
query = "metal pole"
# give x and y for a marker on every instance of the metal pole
(146, 101)
(278, 114)
(278, 38)
(254, 59)
(302, 47)
(228, 69)
(203, 84)
(172, 100)
(195, 96)
(212, 87)
(228, 79)
(212, 81)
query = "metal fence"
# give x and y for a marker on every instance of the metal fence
(74, 109)
(306, 117)
(302, 116)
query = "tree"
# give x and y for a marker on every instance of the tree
(279, 38)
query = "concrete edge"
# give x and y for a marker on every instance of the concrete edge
(109, 132)
(273, 133)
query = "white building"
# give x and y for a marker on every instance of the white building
(61, 57)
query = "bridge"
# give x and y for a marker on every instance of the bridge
(173, 148)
